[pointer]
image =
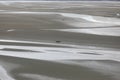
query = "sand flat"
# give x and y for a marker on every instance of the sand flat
(59, 40)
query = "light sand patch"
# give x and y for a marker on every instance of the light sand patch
(96, 31)
(4, 75)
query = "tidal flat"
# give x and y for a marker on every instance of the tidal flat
(59, 40)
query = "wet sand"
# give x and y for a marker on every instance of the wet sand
(59, 40)
(26, 69)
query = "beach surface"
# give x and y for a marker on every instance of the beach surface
(54, 40)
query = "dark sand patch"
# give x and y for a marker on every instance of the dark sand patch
(18, 50)
(91, 53)
(52, 69)
(31, 44)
